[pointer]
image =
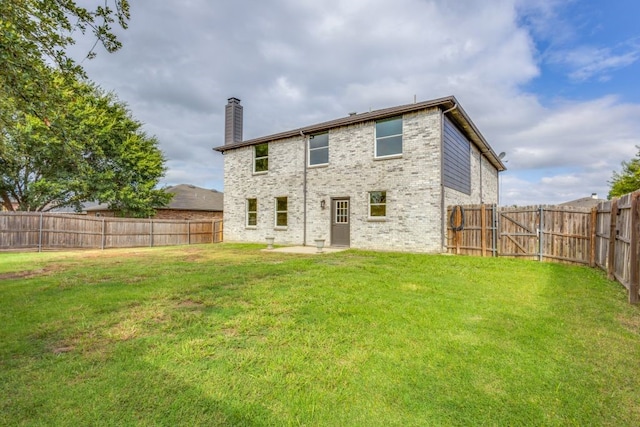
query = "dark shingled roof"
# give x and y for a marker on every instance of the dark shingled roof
(457, 115)
(187, 197)
(190, 197)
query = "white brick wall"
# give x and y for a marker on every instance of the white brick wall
(412, 183)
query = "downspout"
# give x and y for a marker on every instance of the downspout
(304, 191)
(450, 109)
(443, 208)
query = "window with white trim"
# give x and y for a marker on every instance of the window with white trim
(252, 212)
(389, 137)
(377, 204)
(261, 157)
(319, 149)
(281, 212)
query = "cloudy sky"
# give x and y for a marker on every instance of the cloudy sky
(553, 83)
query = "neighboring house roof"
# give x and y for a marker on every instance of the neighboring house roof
(190, 197)
(186, 197)
(450, 104)
(584, 202)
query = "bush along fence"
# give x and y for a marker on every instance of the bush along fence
(42, 231)
(607, 236)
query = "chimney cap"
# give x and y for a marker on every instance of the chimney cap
(233, 100)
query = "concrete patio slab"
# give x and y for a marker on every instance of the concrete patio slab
(310, 250)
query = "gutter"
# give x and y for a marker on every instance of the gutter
(455, 105)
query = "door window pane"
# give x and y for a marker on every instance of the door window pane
(342, 212)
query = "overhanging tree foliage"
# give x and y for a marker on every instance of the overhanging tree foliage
(628, 180)
(37, 32)
(62, 140)
(87, 149)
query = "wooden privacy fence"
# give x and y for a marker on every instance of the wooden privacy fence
(555, 233)
(28, 230)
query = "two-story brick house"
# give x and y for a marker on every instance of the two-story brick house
(376, 180)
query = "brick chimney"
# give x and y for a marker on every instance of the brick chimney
(233, 121)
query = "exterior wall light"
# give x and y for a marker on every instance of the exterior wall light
(322, 204)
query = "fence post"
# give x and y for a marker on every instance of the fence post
(634, 258)
(151, 233)
(188, 232)
(496, 224)
(40, 234)
(483, 228)
(613, 226)
(540, 233)
(103, 238)
(593, 236)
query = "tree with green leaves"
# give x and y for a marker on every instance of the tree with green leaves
(628, 180)
(63, 141)
(35, 35)
(89, 148)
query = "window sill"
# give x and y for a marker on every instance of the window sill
(323, 165)
(377, 219)
(260, 173)
(250, 227)
(393, 156)
(280, 228)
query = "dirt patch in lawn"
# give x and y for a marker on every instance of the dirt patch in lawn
(65, 349)
(25, 274)
(189, 303)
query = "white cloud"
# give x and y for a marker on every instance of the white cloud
(298, 62)
(583, 134)
(588, 62)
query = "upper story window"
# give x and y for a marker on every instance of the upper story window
(261, 157)
(252, 212)
(319, 149)
(389, 137)
(377, 204)
(281, 212)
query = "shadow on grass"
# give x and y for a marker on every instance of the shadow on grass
(129, 392)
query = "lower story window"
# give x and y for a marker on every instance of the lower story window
(252, 212)
(378, 204)
(281, 211)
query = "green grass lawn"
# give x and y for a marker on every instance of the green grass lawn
(229, 335)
